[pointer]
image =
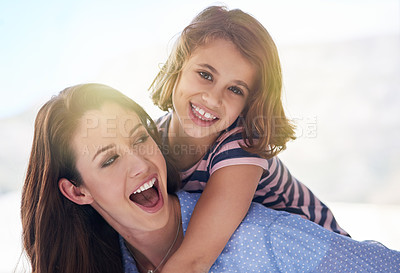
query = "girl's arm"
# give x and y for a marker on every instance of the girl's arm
(220, 209)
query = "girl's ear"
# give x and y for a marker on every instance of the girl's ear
(74, 193)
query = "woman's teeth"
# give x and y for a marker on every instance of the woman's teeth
(201, 114)
(146, 186)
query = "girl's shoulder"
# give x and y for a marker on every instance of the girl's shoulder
(162, 124)
(229, 150)
(163, 121)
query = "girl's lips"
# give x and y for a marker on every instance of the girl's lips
(203, 111)
(149, 199)
(202, 116)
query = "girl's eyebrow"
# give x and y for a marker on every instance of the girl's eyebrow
(242, 83)
(210, 67)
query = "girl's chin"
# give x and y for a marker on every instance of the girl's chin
(198, 133)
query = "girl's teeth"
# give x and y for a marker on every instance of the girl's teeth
(146, 186)
(200, 113)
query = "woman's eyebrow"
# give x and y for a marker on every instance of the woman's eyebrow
(105, 148)
(110, 146)
(132, 131)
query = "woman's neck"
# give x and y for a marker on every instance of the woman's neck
(186, 150)
(151, 248)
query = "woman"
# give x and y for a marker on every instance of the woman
(95, 199)
(59, 235)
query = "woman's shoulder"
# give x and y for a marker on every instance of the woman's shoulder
(263, 217)
(257, 215)
(289, 243)
(187, 201)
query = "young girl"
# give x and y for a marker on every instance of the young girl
(223, 83)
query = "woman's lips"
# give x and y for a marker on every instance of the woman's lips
(148, 197)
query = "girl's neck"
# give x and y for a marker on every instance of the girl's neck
(150, 248)
(186, 150)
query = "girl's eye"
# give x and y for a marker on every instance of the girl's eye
(236, 90)
(109, 161)
(206, 75)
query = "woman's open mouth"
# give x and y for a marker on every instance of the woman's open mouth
(148, 196)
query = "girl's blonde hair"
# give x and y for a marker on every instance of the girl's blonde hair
(263, 117)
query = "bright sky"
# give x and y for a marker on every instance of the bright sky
(48, 45)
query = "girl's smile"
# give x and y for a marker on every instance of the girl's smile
(212, 89)
(202, 116)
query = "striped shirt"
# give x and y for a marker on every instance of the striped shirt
(277, 188)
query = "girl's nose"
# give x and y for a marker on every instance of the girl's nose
(213, 97)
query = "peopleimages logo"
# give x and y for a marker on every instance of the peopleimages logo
(150, 149)
(117, 126)
(305, 127)
(120, 125)
(125, 150)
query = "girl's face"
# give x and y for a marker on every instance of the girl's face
(212, 89)
(123, 171)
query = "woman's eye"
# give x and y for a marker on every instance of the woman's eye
(109, 161)
(236, 90)
(206, 75)
(141, 139)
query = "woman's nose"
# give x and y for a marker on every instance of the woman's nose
(213, 97)
(137, 165)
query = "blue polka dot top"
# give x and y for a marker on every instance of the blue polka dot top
(275, 241)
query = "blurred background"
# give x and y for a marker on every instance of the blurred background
(341, 69)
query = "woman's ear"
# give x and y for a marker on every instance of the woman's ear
(74, 193)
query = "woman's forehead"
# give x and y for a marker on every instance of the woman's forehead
(111, 125)
(111, 120)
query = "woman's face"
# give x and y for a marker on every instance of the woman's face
(123, 171)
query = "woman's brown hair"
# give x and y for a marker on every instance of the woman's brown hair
(263, 117)
(59, 235)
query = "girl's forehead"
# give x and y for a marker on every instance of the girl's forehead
(216, 48)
